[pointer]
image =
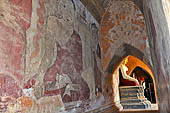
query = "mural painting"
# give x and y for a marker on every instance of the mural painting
(15, 19)
(64, 76)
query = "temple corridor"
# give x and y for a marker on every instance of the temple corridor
(84, 56)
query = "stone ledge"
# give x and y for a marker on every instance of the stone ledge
(111, 108)
(114, 107)
(153, 109)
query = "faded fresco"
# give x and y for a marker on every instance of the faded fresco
(64, 76)
(53, 57)
(42, 55)
(15, 18)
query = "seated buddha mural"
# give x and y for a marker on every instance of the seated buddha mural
(125, 78)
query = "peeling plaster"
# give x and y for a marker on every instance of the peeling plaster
(32, 67)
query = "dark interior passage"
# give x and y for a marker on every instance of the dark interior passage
(146, 81)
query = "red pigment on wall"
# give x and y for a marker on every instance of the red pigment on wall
(69, 62)
(40, 13)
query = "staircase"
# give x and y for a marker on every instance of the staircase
(132, 97)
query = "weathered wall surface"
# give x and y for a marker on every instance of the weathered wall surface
(50, 56)
(122, 23)
(63, 53)
(159, 45)
(166, 8)
(123, 32)
(14, 21)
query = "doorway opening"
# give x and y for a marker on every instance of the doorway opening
(136, 84)
(146, 81)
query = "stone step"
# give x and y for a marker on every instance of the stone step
(141, 105)
(131, 91)
(127, 98)
(145, 101)
(132, 97)
(138, 95)
(133, 100)
(131, 88)
(148, 103)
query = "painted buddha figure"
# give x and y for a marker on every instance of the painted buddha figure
(125, 78)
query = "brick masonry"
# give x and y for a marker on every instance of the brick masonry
(122, 25)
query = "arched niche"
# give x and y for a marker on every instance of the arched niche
(132, 65)
(136, 59)
(123, 34)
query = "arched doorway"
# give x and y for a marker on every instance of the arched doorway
(123, 34)
(146, 91)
